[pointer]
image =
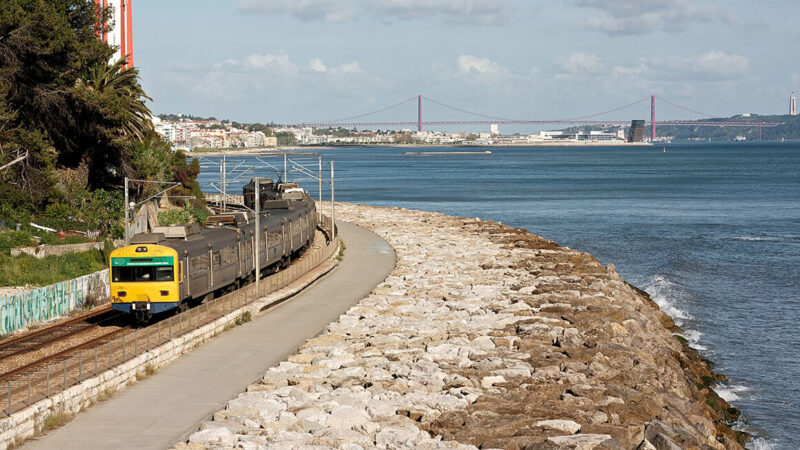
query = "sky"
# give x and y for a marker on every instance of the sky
(294, 61)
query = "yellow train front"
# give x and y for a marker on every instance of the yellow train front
(144, 279)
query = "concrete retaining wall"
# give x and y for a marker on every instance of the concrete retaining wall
(43, 251)
(38, 305)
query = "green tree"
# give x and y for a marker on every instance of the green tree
(285, 138)
(83, 122)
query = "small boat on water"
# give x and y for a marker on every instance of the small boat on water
(487, 152)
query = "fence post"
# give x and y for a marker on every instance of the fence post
(9, 396)
(95, 360)
(47, 380)
(109, 355)
(65, 374)
(123, 348)
(80, 367)
(147, 349)
(29, 389)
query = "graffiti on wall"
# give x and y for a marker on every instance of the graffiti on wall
(37, 305)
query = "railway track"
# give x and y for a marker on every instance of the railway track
(55, 357)
(40, 346)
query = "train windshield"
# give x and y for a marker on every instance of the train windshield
(142, 273)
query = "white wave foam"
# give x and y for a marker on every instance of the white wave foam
(761, 444)
(693, 337)
(755, 238)
(730, 393)
(665, 293)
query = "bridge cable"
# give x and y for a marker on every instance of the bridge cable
(344, 119)
(466, 111)
(606, 112)
(686, 109)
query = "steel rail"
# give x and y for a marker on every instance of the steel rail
(5, 343)
(51, 340)
(63, 353)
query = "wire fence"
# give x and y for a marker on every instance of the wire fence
(122, 345)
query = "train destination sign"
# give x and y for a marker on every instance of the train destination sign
(153, 261)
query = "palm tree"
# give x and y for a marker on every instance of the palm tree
(123, 86)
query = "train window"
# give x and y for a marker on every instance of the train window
(199, 263)
(228, 255)
(142, 274)
(165, 273)
(217, 258)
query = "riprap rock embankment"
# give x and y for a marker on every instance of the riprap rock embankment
(488, 336)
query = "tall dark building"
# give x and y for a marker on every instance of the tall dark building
(636, 133)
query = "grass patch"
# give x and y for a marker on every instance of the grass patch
(244, 318)
(709, 382)
(25, 269)
(149, 370)
(340, 252)
(105, 394)
(682, 339)
(55, 420)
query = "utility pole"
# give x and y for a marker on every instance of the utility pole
(224, 181)
(258, 229)
(125, 207)
(333, 205)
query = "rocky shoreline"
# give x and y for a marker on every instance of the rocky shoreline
(484, 336)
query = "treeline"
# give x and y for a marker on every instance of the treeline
(82, 123)
(789, 129)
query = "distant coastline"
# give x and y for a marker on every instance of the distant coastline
(268, 150)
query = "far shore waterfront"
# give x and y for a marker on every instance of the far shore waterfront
(267, 150)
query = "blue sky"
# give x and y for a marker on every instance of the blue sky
(291, 61)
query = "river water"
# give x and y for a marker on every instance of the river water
(711, 231)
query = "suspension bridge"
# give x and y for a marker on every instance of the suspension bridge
(677, 116)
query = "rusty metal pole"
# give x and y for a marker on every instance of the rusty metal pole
(258, 229)
(333, 204)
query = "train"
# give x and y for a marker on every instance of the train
(175, 267)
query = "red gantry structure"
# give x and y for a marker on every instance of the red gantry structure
(120, 33)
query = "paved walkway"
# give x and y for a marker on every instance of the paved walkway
(166, 408)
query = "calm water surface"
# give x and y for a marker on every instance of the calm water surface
(712, 232)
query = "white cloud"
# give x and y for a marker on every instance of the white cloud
(306, 10)
(481, 67)
(711, 66)
(581, 64)
(619, 17)
(276, 62)
(351, 68)
(317, 65)
(474, 11)
(470, 11)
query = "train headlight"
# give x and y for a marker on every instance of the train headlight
(122, 294)
(164, 293)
